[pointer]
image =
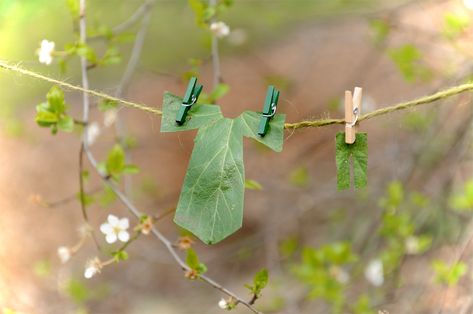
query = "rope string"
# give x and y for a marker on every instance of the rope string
(39, 76)
(456, 90)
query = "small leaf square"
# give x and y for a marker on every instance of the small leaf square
(358, 153)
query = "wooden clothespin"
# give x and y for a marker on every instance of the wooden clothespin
(352, 113)
(192, 94)
(269, 109)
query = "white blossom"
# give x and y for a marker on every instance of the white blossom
(468, 4)
(45, 52)
(92, 267)
(220, 29)
(64, 254)
(115, 229)
(109, 118)
(93, 131)
(374, 272)
(223, 304)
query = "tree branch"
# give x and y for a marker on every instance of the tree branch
(143, 9)
(131, 208)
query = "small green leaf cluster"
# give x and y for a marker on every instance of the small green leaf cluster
(115, 165)
(380, 30)
(252, 185)
(398, 227)
(218, 92)
(455, 24)
(463, 201)
(196, 267)
(408, 60)
(449, 275)
(204, 12)
(323, 271)
(53, 113)
(260, 280)
(120, 255)
(110, 56)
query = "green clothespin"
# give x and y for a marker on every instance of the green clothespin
(269, 109)
(192, 94)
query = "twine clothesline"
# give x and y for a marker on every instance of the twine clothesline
(449, 92)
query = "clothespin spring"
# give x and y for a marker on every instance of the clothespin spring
(355, 112)
(193, 101)
(273, 111)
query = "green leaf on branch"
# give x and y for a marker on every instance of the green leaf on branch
(46, 118)
(211, 200)
(77, 291)
(380, 29)
(363, 306)
(449, 275)
(358, 153)
(66, 124)
(463, 201)
(259, 282)
(455, 24)
(86, 198)
(323, 271)
(394, 196)
(200, 11)
(74, 8)
(52, 114)
(120, 255)
(131, 169)
(252, 185)
(55, 98)
(218, 92)
(408, 60)
(107, 104)
(86, 51)
(107, 196)
(111, 56)
(192, 260)
(115, 164)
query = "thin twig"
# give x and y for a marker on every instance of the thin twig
(131, 21)
(120, 126)
(69, 198)
(85, 121)
(453, 91)
(217, 76)
(144, 9)
(81, 183)
(162, 215)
